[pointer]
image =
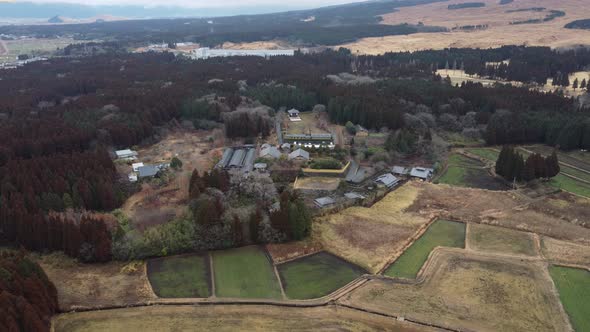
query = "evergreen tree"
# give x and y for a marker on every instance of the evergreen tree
(576, 84)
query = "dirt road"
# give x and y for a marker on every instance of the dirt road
(3, 48)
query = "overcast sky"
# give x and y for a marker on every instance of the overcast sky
(201, 3)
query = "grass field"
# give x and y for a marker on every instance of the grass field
(568, 184)
(466, 172)
(488, 154)
(316, 275)
(565, 252)
(183, 276)
(244, 272)
(467, 291)
(499, 239)
(441, 233)
(574, 291)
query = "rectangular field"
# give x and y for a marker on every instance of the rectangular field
(441, 233)
(182, 276)
(466, 172)
(316, 275)
(245, 272)
(499, 239)
(317, 183)
(558, 251)
(568, 184)
(489, 154)
(574, 291)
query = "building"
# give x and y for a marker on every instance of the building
(299, 154)
(206, 53)
(294, 115)
(148, 171)
(126, 154)
(132, 177)
(261, 167)
(388, 180)
(323, 202)
(238, 158)
(353, 195)
(310, 141)
(421, 173)
(270, 152)
(400, 170)
(136, 166)
(286, 147)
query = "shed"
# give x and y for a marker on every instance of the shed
(294, 115)
(299, 154)
(388, 180)
(400, 170)
(421, 173)
(148, 171)
(126, 154)
(286, 146)
(324, 201)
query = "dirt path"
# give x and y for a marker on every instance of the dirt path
(3, 48)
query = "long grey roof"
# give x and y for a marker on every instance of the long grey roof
(299, 153)
(238, 158)
(421, 172)
(270, 152)
(389, 180)
(148, 170)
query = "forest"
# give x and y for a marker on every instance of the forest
(61, 118)
(579, 24)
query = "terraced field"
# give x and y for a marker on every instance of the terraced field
(181, 276)
(574, 291)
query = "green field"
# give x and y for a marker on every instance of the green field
(568, 184)
(245, 272)
(574, 291)
(316, 276)
(466, 172)
(499, 239)
(574, 172)
(488, 154)
(441, 233)
(182, 276)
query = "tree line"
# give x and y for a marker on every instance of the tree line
(512, 165)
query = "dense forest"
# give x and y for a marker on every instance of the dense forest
(323, 26)
(60, 118)
(28, 299)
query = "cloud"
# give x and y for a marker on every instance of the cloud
(200, 3)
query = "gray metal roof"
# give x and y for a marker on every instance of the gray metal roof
(324, 201)
(421, 172)
(389, 180)
(148, 171)
(249, 160)
(299, 153)
(272, 152)
(227, 154)
(399, 170)
(238, 158)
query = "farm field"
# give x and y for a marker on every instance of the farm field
(565, 252)
(317, 183)
(568, 184)
(470, 291)
(316, 275)
(33, 47)
(489, 154)
(574, 291)
(244, 272)
(180, 276)
(466, 172)
(308, 124)
(498, 239)
(228, 318)
(370, 237)
(440, 233)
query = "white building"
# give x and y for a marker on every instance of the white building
(206, 53)
(126, 154)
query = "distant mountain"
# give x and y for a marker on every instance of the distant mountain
(31, 10)
(55, 19)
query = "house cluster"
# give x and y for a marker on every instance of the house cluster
(238, 158)
(327, 201)
(206, 53)
(268, 151)
(139, 170)
(421, 173)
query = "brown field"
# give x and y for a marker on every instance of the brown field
(468, 291)
(508, 209)
(230, 318)
(91, 285)
(317, 183)
(369, 237)
(562, 252)
(155, 205)
(501, 240)
(499, 32)
(281, 252)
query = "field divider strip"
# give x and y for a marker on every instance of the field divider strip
(276, 271)
(211, 275)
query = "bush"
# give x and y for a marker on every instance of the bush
(326, 163)
(176, 163)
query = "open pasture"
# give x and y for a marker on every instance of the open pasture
(470, 292)
(316, 275)
(499, 239)
(441, 233)
(245, 272)
(180, 276)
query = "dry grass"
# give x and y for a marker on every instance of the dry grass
(501, 240)
(564, 252)
(280, 252)
(471, 292)
(317, 183)
(229, 318)
(370, 236)
(499, 33)
(89, 285)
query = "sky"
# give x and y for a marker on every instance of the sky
(200, 3)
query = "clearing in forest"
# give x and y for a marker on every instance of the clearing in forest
(441, 233)
(180, 276)
(316, 275)
(245, 272)
(499, 239)
(574, 291)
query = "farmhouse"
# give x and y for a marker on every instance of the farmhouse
(299, 154)
(270, 152)
(388, 180)
(126, 154)
(322, 202)
(358, 174)
(294, 115)
(148, 171)
(421, 173)
(238, 158)
(400, 170)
